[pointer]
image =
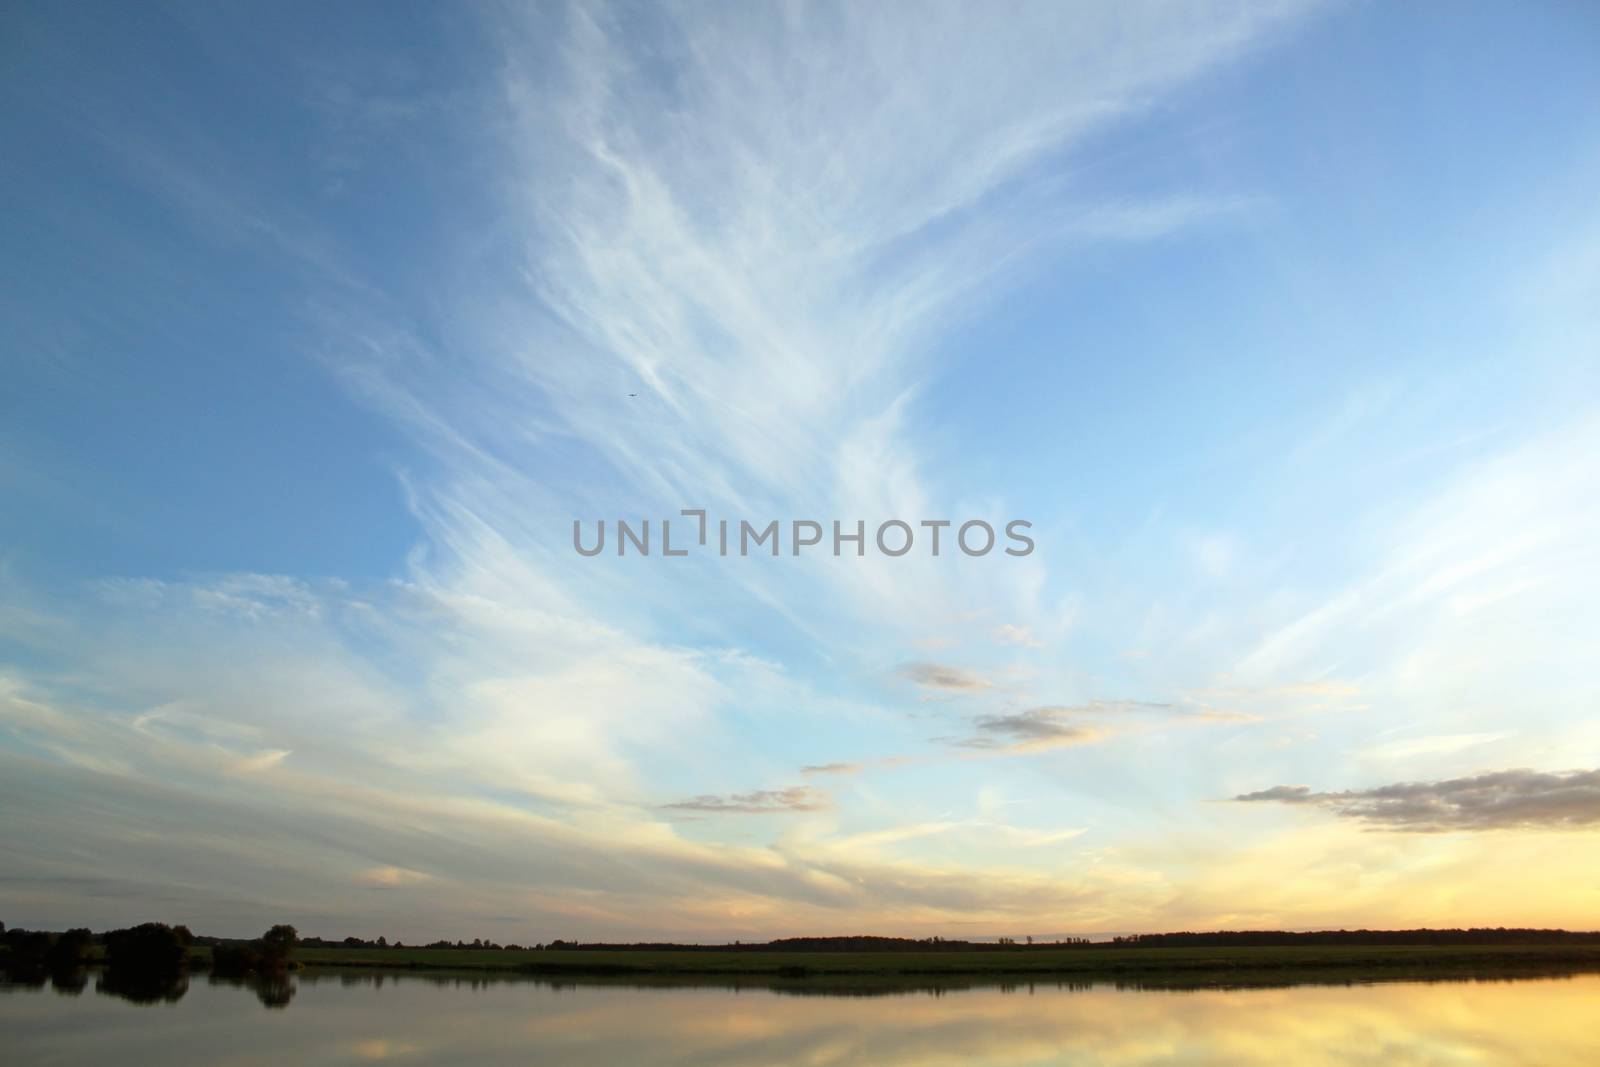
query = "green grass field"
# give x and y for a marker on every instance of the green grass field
(1208, 965)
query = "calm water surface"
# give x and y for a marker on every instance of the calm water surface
(368, 1018)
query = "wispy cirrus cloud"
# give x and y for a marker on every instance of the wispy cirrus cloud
(831, 768)
(758, 222)
(1431, 745)
(1010, 634)
(850, 767)
(766, 268)
(391, 877)
(1501, 800)
(759, 802)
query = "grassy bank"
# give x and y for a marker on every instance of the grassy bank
(1150, 965)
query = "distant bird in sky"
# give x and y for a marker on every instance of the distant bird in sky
(633, 394)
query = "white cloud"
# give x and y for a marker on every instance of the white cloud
(1016, 635)
(1431, 745)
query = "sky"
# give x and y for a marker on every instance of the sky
(1278, 323)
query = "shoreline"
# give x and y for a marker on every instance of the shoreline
(1155, 966)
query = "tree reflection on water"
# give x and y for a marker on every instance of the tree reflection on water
(143, 987)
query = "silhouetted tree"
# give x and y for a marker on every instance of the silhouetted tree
(268, 954)
(282, 937)
(28, 949)
(71, 948)
(154, 948)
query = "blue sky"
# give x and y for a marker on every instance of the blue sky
(320, 328)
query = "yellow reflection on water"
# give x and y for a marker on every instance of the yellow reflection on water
(1550, 1022)
(414, 1020)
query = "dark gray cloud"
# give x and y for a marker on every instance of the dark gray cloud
(1501, 800)
(1056, 725)
(943, 676)
(759, 802)
(1030, 730)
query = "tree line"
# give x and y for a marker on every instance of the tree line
(1477, 935)
(148, 963)
(149, 948)
(379, 943)
(156, 948)
(1499, 935)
